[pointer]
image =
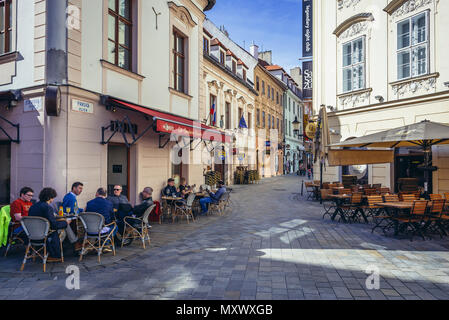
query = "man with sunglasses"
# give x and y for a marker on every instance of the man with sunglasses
(21, 206)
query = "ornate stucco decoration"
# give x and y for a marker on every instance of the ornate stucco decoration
(182, 13)
(355, 99)
(354, 25)
(347, 3)
(411, 86)
(213, 84)
(355, 29)
(228, 94)
(398, 8)
(241, 100)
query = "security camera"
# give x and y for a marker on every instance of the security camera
(379, 98)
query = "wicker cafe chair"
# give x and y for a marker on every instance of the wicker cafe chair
(37, 230)
(384, 191)
(185, 209)
(96, 237)
(325, 196)
(413, 223)
(138, 228)
(220, 206)
(13, 238)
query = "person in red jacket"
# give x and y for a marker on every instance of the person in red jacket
(21, 206)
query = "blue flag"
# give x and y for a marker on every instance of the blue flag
(242, 123)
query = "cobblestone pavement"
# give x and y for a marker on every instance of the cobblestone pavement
(271, 245)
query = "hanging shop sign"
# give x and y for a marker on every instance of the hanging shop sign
(307, 28)
(307, 80)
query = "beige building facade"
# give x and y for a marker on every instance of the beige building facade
(226, 87)
(380, 65)
(129, 72)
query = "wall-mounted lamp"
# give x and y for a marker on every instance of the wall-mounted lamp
(379, 98)
(446, 84)
(331, 108)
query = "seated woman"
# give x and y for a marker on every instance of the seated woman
(184, 189)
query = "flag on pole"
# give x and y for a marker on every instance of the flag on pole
(213, 115)
(242, 124)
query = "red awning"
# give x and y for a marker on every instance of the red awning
(168, 123)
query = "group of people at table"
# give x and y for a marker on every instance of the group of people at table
(113, 208)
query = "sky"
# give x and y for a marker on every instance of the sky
(274, 25)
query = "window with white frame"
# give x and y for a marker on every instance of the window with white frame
(5, 26)
(413, 44)
(354, 65)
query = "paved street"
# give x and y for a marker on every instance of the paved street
(271, 246)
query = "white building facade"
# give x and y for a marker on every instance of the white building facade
(380, 65)
(96, 87)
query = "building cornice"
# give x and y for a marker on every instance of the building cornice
(393, 104)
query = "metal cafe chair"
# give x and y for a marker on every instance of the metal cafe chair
(391, 198)
(436, 196)
(138, 228)
(37, 230)
(413, 223)
(325, 196)
(96, 236)
(378, 213)
(434, 217)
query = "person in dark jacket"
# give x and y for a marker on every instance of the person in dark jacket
(44, 210)
(146, 196)
(102, 206)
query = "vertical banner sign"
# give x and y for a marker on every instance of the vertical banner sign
(307, 80)
(307, 28)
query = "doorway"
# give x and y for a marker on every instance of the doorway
(118, 168)
(406, 165)
(5, 172)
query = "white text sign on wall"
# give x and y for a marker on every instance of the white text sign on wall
(34, 104)
(82, 106)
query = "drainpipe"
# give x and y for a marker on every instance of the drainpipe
(56, 44)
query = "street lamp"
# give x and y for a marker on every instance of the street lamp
(296, 126)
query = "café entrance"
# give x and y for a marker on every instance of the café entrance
(118, 168)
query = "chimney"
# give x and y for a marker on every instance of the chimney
(254, 50)
(266, 56)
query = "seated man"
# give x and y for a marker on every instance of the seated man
(70, 202)
(146, 196)
(20, 207)
(213, 197)
(120, 202)
(170, 190)
(102, 206)
(121, 206)
(44, 210)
